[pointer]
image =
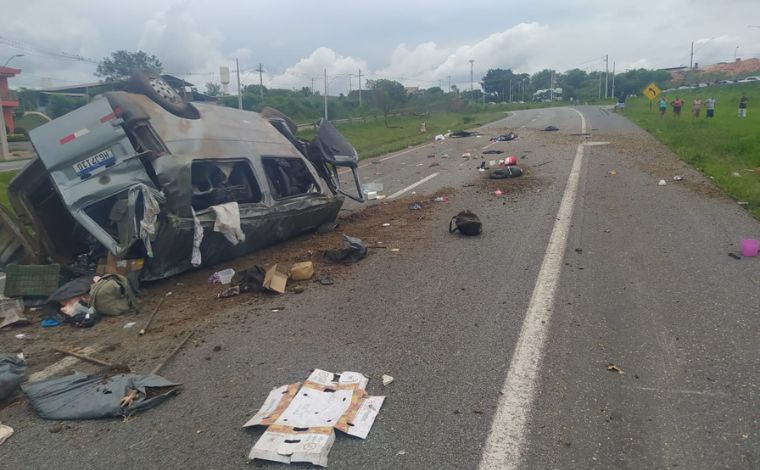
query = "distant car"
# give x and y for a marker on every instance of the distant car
(703, 85)
(143, 174)
(725, 82)
(749, 79)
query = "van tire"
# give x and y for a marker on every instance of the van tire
(162, 94)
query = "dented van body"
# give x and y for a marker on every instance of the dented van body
(128, 175)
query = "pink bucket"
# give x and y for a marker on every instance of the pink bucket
(750, 247)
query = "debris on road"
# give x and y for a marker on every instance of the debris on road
(12, 368)
(12, 312)
(229, 292)
(387, 380)
(274, 280)
(511, 160)
(415, 207)
(551, 128)
(92, 396)
(678, 178)
(222, 277)
(84, 357)
(507, 172)
(302, 417)
(498, 192)
(493, 152)
(613, 368)
(612, 173)
(735, 256)
(153, 315)
(460, 134)
(112, 295)
(750, 247)
(325, 280)
(466, 222)
(301, 271)
(662, 183)
(440, 138)
(441, 199)
(32, 282)
(5, 433)
(353, 250)
(504, 137)
(466, 155)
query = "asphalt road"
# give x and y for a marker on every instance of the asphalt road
(643, 282)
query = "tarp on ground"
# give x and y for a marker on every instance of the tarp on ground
(92, 396)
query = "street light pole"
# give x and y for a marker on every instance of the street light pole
(20, 55)
(472, 61)
(735, 49)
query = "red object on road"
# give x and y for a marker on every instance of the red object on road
(511, 160)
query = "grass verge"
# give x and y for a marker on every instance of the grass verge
(724, 148)
(5, 179)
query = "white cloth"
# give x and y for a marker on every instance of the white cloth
(228, 222)
(150, 217)
(195, 259)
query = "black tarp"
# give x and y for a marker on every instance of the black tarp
(92, 396)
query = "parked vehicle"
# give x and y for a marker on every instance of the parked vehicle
(749, 79)
(136, 172)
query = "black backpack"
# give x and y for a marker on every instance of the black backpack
(466, 222)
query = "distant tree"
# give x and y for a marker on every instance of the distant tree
(123, 64)
(213, 89)
(455, 89)
(497, 83)
(386, 95)
(306, 91)
(434, 91)
(60, 105)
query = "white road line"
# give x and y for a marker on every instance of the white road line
(507, 439)
(403, 152)
(412, 186)
(61, 365)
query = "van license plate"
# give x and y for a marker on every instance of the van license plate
(86, 166)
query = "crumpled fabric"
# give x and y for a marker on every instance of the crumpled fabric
(195, 258)
(12, 367)
(92, 396)
(353, 250)
(228, 222)
(151, 199)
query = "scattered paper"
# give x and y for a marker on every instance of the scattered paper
(662, 183)
(387, 380)
(130, 324)
(613, 368)
(302, 417)
(5, 433)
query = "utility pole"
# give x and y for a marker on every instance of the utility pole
(606, 74)
(349, 84)
(471, 87)
(613, 78)
(261, 81)
(510, 90)
(691, 57)
(551, 86)
(240, 94)
(600, 85)
(360, 88)
(312, 85)
(449, 90)
(325, 94)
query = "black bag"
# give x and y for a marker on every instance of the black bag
(508, 172)
(466, 222)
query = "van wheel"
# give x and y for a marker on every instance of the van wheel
(164, 95)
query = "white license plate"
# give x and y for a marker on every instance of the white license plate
(86, 166)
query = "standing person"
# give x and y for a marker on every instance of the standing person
(743, 106)
(677, 105)
(663, 105)
(710, 107)
(696, 107)
(621, 102)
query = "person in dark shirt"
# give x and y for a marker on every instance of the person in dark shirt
(743, 106)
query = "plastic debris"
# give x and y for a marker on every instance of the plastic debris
(662, 183)
(387, 380)
(440, 138)
(302, 417)
(12, 368)
(750, 246)
(498, 192)
(612, 173)
(415, 207)
(229, 292)
(12, 312)
(466, 155)
(441, 199)
(302, 271)
(551, 128)
(5, 433)
(222, 277)
(353, 250)
(130, 324)
(613, 368)
(386, 224)
(678, 178)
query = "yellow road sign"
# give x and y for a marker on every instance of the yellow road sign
(652, 91)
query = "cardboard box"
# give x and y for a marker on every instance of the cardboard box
(275, 281)
(113, 265)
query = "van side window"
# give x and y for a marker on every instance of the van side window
(288, 177)
(221, 181)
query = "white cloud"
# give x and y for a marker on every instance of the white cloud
(300, 74)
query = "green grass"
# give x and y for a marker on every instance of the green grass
(30, 121)
(718, 147)
(5, 179)
(373, 138)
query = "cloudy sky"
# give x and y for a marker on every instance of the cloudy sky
(420, 43)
